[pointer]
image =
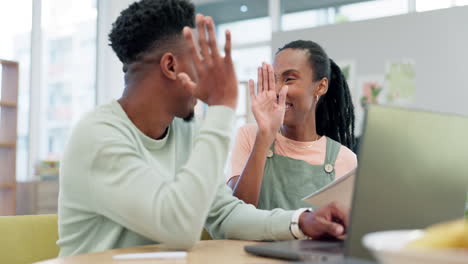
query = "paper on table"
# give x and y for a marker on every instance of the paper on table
(340, 190)
(152, 255)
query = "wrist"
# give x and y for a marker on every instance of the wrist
(230, 104)
(298, 222)
(264, 137)
(302, 219)
(223, 100)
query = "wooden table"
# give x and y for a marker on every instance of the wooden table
(206, 251)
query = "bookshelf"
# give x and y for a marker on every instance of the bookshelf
(8, 125)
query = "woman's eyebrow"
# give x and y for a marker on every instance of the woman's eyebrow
(288, 71)
(285, 72)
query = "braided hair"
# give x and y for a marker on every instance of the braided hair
(335, 111)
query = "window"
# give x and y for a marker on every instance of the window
(344, 13)
(69, 70)
(304, 19)
(371, 9)
(424, 5)
(259, 29)
(461, 2)
(15, 44)
(247, 60)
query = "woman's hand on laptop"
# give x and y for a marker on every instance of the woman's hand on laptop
(328, 221)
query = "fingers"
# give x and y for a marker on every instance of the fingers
(282, 95)
(271, 78)
(259, 80)
(265, 77)
(334, 229)
(328, 220)
(342, 237)
(328, 227)
(187, 83)
(339, 214)
(201, 22)
(227, 46)
(251, 89)
(217, 81)
(191, 45)
(212, 37)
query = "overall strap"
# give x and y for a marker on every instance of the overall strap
(333, 148)
(271, 151)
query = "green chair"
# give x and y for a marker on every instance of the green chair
(466, 207)
(205, 235)
(27, 239)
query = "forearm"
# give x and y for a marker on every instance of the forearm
(249, 183)
(229, 218)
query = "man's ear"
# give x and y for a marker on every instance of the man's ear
(168, 63)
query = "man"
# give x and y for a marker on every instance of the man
(136, 171)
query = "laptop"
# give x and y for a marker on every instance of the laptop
(413, 172)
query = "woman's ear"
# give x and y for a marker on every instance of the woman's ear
(168, 63)
(322, 87)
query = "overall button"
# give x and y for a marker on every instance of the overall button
(269, 153)
(329, 168)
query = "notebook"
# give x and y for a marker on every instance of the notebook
(340, 190)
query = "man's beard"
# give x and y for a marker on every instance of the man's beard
(190, 117)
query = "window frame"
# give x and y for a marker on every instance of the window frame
(37, 90)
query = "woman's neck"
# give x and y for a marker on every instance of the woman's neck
(300, 133)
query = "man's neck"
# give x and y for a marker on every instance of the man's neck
(148, 116)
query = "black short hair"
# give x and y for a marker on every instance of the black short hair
(147, 24)
(335, 111)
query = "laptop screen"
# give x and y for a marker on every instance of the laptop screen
(413, 172)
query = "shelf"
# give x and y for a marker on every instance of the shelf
(8, 104)
(7, 186)
(8, 62)
(7, 145)
(9, 111)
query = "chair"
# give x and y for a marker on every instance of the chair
(27, 239)
(205, 235)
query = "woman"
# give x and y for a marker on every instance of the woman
(302, 137)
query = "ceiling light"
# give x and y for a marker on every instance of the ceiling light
(244, 8)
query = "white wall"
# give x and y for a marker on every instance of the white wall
(110, 82)
(437, 41)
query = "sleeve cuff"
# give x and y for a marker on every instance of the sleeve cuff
(281, 226)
